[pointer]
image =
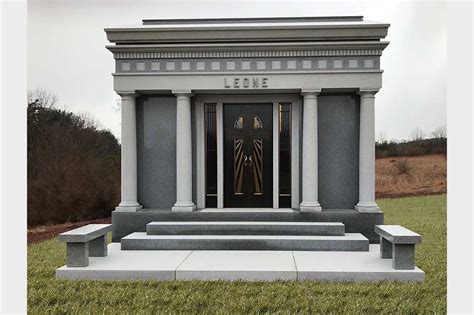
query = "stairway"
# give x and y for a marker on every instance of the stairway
(225, 235)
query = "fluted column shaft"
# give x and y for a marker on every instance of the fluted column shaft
(310, 152)
(367, 153)
(129, 200)
(184, 170)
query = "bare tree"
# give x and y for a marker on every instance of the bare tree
(41, 98)
(118, 105)
(417, 134)
(440, 132)
(89, 121)
(381, 137)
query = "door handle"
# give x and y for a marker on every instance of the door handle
(245, 160)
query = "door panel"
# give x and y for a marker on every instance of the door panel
(248, 158)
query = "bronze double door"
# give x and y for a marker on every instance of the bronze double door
(248, 148)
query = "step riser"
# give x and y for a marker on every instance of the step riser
(203, 244)
(125, 223)
(155, 229)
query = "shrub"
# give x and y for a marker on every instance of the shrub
(402, 166)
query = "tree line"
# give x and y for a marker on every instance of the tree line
(418, 144)
(73, 169)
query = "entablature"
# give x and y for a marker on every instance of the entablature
(249, 30)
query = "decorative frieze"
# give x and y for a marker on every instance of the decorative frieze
(250, 65)
(248, 54)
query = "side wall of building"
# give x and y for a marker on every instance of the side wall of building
(156, 151)
(338, 162)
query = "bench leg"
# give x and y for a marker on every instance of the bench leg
(385, 248)
(77, 254)
(98, 247)
(403, 256)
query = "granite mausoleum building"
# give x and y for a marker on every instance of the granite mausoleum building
(250, 134)
(262, 113)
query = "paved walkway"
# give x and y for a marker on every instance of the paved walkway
(245, 265)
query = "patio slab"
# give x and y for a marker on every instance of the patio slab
(240, 265)
(353, 267)
(127, 265)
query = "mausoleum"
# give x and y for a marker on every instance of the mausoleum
(240, 133)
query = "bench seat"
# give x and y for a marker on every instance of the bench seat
(84, 242)
(398, 243)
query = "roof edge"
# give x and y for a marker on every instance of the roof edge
(345, 18)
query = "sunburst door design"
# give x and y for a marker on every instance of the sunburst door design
(258, 166)
(238, 165)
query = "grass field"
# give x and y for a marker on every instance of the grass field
(425, 215)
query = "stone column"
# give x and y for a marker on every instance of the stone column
(184, 158)
(129, 200)
(367, 153)
(310, 151)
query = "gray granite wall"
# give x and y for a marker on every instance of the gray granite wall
(156, 150)
(338, 116)
(338, 137)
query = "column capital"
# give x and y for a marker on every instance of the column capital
(310, 92)
(177, 93)
(128, 94)
(368, 93)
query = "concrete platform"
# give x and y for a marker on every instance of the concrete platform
(245, 265)
(245, 228)
(348, 242)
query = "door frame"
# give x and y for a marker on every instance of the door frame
(220, 101)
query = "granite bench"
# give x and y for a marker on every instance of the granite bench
(89, 240)
(398, 243)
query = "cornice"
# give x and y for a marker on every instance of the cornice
(254, 50)
(247, 32)
(251, 26)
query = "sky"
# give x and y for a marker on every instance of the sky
(67, 54)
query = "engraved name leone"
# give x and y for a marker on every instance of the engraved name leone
(252, 82)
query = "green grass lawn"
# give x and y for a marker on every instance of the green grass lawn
(425, 215)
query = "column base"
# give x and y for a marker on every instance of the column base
(184, 206)
(128, 207)
(367, 207)
(310, 207)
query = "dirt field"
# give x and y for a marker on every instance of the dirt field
(410, 176)
(44, 232)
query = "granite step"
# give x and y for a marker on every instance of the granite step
(245, 228)
(348, 242)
